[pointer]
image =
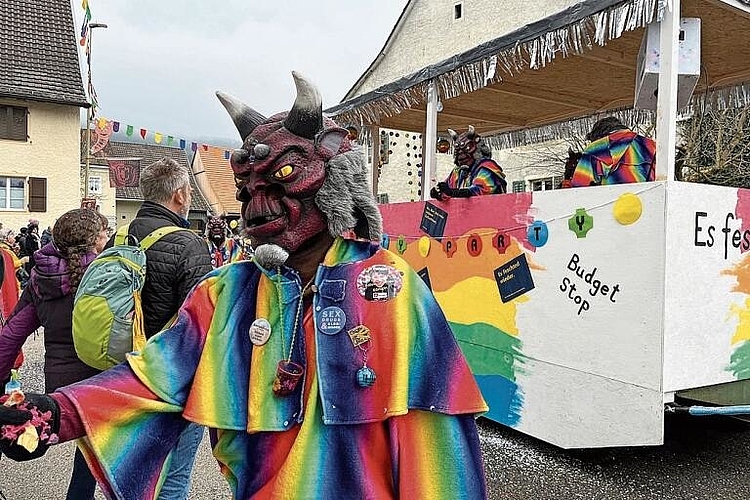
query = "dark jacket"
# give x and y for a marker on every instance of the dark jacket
(46, 301)
(173, 264)
(32, 244)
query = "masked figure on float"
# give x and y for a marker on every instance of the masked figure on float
(223, 246)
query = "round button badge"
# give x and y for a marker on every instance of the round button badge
(260, 331)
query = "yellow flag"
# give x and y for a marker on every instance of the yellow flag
(157, 137)
(101, 123)
(84, 4)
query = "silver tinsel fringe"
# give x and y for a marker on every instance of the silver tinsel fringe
(565, 130)
(576, 38)
(737, 96)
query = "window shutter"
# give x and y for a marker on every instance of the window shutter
(18, 129)
(13, 123)
(37, 194)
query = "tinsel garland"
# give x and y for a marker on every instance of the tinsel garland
(576, 38)
(487, 68)
(573, 128)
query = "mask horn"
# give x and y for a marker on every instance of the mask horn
(305, 119)
(244, 117)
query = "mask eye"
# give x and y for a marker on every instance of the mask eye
(283, 172)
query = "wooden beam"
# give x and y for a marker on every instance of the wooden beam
(734, 5)
(464, 114)
(609, 57)
(723, 80)
(543, 95)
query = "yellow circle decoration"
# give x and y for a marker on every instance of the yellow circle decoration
(424, 246)
(627, 209)
(233, 224)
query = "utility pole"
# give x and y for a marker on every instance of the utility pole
(90, 111)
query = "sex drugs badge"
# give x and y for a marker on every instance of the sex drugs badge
(260, 331)
(379, 283)
(331, 320)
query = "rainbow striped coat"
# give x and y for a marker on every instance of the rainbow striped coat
(410, 435)
(621, 157)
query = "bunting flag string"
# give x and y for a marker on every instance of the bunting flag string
(85, 23)
(623, 205)
(115, 126)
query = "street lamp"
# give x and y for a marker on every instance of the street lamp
(90, 111)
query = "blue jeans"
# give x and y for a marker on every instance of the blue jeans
(177, 483)
(82, 482)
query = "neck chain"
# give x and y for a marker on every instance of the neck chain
(296, 316)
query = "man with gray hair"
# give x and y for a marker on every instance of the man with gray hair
(174, 263)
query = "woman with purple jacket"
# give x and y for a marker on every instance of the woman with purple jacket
(78, 235)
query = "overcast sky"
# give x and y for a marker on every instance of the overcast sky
(158, 63)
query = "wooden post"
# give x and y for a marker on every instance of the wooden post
(429, 166)
(666, 101)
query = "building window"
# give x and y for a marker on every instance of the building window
(13, 123)
(12, 193)
(519, 186)
(546, 183)
(95, 186)
(37, 194)
(458, 11)
(382, 197)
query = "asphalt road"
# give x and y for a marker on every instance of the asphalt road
(702, 458)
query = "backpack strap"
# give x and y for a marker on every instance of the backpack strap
(156, 235)
(122, 235)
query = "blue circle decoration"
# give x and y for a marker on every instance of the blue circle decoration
(385, 241)
(365, 376)
(331, 320)
(538, 233)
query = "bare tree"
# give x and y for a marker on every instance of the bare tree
(715, 148)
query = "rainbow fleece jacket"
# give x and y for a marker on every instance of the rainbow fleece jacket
(409, 435)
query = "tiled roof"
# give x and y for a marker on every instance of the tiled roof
(38, 52)
(148, 153)
(220, 177)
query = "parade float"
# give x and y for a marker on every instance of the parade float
(587, 314)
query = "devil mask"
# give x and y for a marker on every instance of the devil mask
(296, 173)
(216, 230)
(468, 147)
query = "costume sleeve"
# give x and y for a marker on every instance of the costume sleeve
(132, 413)
(583, 175)
(21, 323)
(489, 179)
(429, 449)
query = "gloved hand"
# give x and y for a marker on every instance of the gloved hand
(12, 416)
(36, 405)
(436, 194)
(453, 193)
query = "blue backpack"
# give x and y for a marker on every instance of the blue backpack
(107, 311)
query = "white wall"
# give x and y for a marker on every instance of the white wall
(430, 34)
(53, 152)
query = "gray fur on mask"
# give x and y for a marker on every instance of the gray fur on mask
(270, 256)
(483, 150)
(345, 197)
